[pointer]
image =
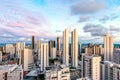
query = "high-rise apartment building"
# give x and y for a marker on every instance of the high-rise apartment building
(51, 45)
(10, 48)
(116, 55)
(79, 48)
(44, 56)
(19, 48)
(58, 46)
(108, 48)
(53, 53)
(0, 56)
(74, 54)
(27, 59)
(94, 49)
(91, 66)
(66, 47)
(39, 42)
(110, 71)
(33, 42)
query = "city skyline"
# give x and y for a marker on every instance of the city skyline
(45, 20)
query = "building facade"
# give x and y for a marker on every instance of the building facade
(110, 71)
(74, 54)
(60, 72)
(11, 72)
(66, 47)
(108, 48)
(44, 56)
(27, 59)
(91, 66)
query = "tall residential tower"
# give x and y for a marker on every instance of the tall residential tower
(66, 47)
(108, 48)
(74, 48)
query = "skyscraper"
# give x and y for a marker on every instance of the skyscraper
(39, 42)
(66, 47)
(19, 47)
(74, 48)
(110, 71)
(10, 48)
(116, 55)
(0, 56)
(27, 59)
(108, 48)
(79, 48)
(91, 66)
(44, 56)
(51, 45)
(58, 47)
(33, 42)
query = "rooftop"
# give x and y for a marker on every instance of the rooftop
(11, 67)
(57, 67)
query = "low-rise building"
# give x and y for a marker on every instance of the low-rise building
(11, 72)
(59, 72)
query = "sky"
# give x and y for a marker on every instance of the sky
(47, 19)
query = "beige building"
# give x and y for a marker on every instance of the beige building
(108, 48)
(59, 72)
(74, 48)
(44, 56)
(110, 71)
(27, 59)
(53, 53)
(19, 48)
(65, 55)
(11, 72)
(58, 46)
(39, 42)
(91, 66)
(94, 49)
(10, 48)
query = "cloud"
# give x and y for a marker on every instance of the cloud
(88, 6)
(95, 30)
(113, 17)
(58, 31)
(108, 17)
(84, 18)
(104, 19)
(114, 28)
(19, 19)
(7, 36)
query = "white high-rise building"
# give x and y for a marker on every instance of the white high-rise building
(75, 48)
(10, 48)
(116, 55)
(66, 47)
(91, 66)
(60, 72)
(0, 56)
(39, 42)
(11, 72)
(110, 71)
(44, 56)
(27, 59)
(108, 48)
(19, 47)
